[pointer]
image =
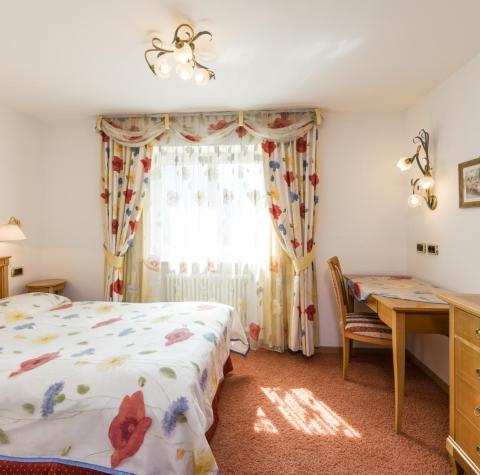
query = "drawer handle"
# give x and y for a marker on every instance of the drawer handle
(478, 450)
(478, 372)
(476, 411)
(477, 332)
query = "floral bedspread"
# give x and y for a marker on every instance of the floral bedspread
(120, 388)
(393, 286)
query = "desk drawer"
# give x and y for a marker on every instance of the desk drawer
(467, 326)
(467, 401)
(467, 363)
(468, 437)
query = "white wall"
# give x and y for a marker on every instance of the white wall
(50, 181)
(72, 230)
(451, 113)
(361, 212)
(21, 168)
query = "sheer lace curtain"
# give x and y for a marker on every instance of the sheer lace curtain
(208, 209)
(207, 232)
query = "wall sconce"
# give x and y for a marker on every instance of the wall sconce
(424, 185)
(11, 231)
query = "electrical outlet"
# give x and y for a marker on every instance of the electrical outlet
(16, 271)
(421, 247)
(432, 249)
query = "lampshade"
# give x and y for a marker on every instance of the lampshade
(201, 77)
(404, 163)
(11, 231)
(183, 53)
(162, 67)
(414, 201)
(426, 182)
(185, 71)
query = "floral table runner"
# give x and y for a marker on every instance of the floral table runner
(393, 286)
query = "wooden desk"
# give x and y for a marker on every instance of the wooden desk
(405, 316)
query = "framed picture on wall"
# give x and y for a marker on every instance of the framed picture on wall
(469, 183)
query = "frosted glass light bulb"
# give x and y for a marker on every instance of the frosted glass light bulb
(414, 201)
(185, 71)
(162, 67)
(404, 163)
(426, 182)
(201, 76)
(183, 54)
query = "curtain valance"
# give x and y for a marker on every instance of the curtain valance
(209, 128)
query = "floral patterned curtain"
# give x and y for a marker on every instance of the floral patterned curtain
(291, 177)
(288, 141)
(124, 178)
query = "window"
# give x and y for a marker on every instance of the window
(208, 210)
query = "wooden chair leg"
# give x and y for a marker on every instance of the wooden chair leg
(350, 351)
(346, 356)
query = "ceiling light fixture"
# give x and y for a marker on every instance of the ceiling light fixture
(426, 182)
(182, 50)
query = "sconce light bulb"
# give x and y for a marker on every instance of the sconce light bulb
(426, 182)
(404, 163)
(414, 201)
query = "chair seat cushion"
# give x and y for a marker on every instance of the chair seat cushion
(367, 324)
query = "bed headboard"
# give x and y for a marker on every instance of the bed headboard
(4, 261)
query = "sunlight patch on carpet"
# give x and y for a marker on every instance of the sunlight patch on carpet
(304, 412)
(263, 423)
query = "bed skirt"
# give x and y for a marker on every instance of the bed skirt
(54, 468)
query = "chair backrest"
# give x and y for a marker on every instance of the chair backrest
(340, 289)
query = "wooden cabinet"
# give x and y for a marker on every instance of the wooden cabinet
(463, 442)
(50, 286)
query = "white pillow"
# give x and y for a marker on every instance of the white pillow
(19, 307)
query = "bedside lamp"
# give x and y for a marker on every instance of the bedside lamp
(11, 231)
(8, 232)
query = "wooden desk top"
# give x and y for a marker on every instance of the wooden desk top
(409, 306)
(467, 302)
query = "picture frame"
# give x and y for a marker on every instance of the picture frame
(469, 183)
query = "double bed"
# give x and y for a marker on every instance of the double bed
(120, 388)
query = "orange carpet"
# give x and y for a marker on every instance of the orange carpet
(284, 414)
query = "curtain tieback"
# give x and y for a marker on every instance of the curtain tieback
(112, 260)
(301, 263)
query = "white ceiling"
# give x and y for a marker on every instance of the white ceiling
(83, 57)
